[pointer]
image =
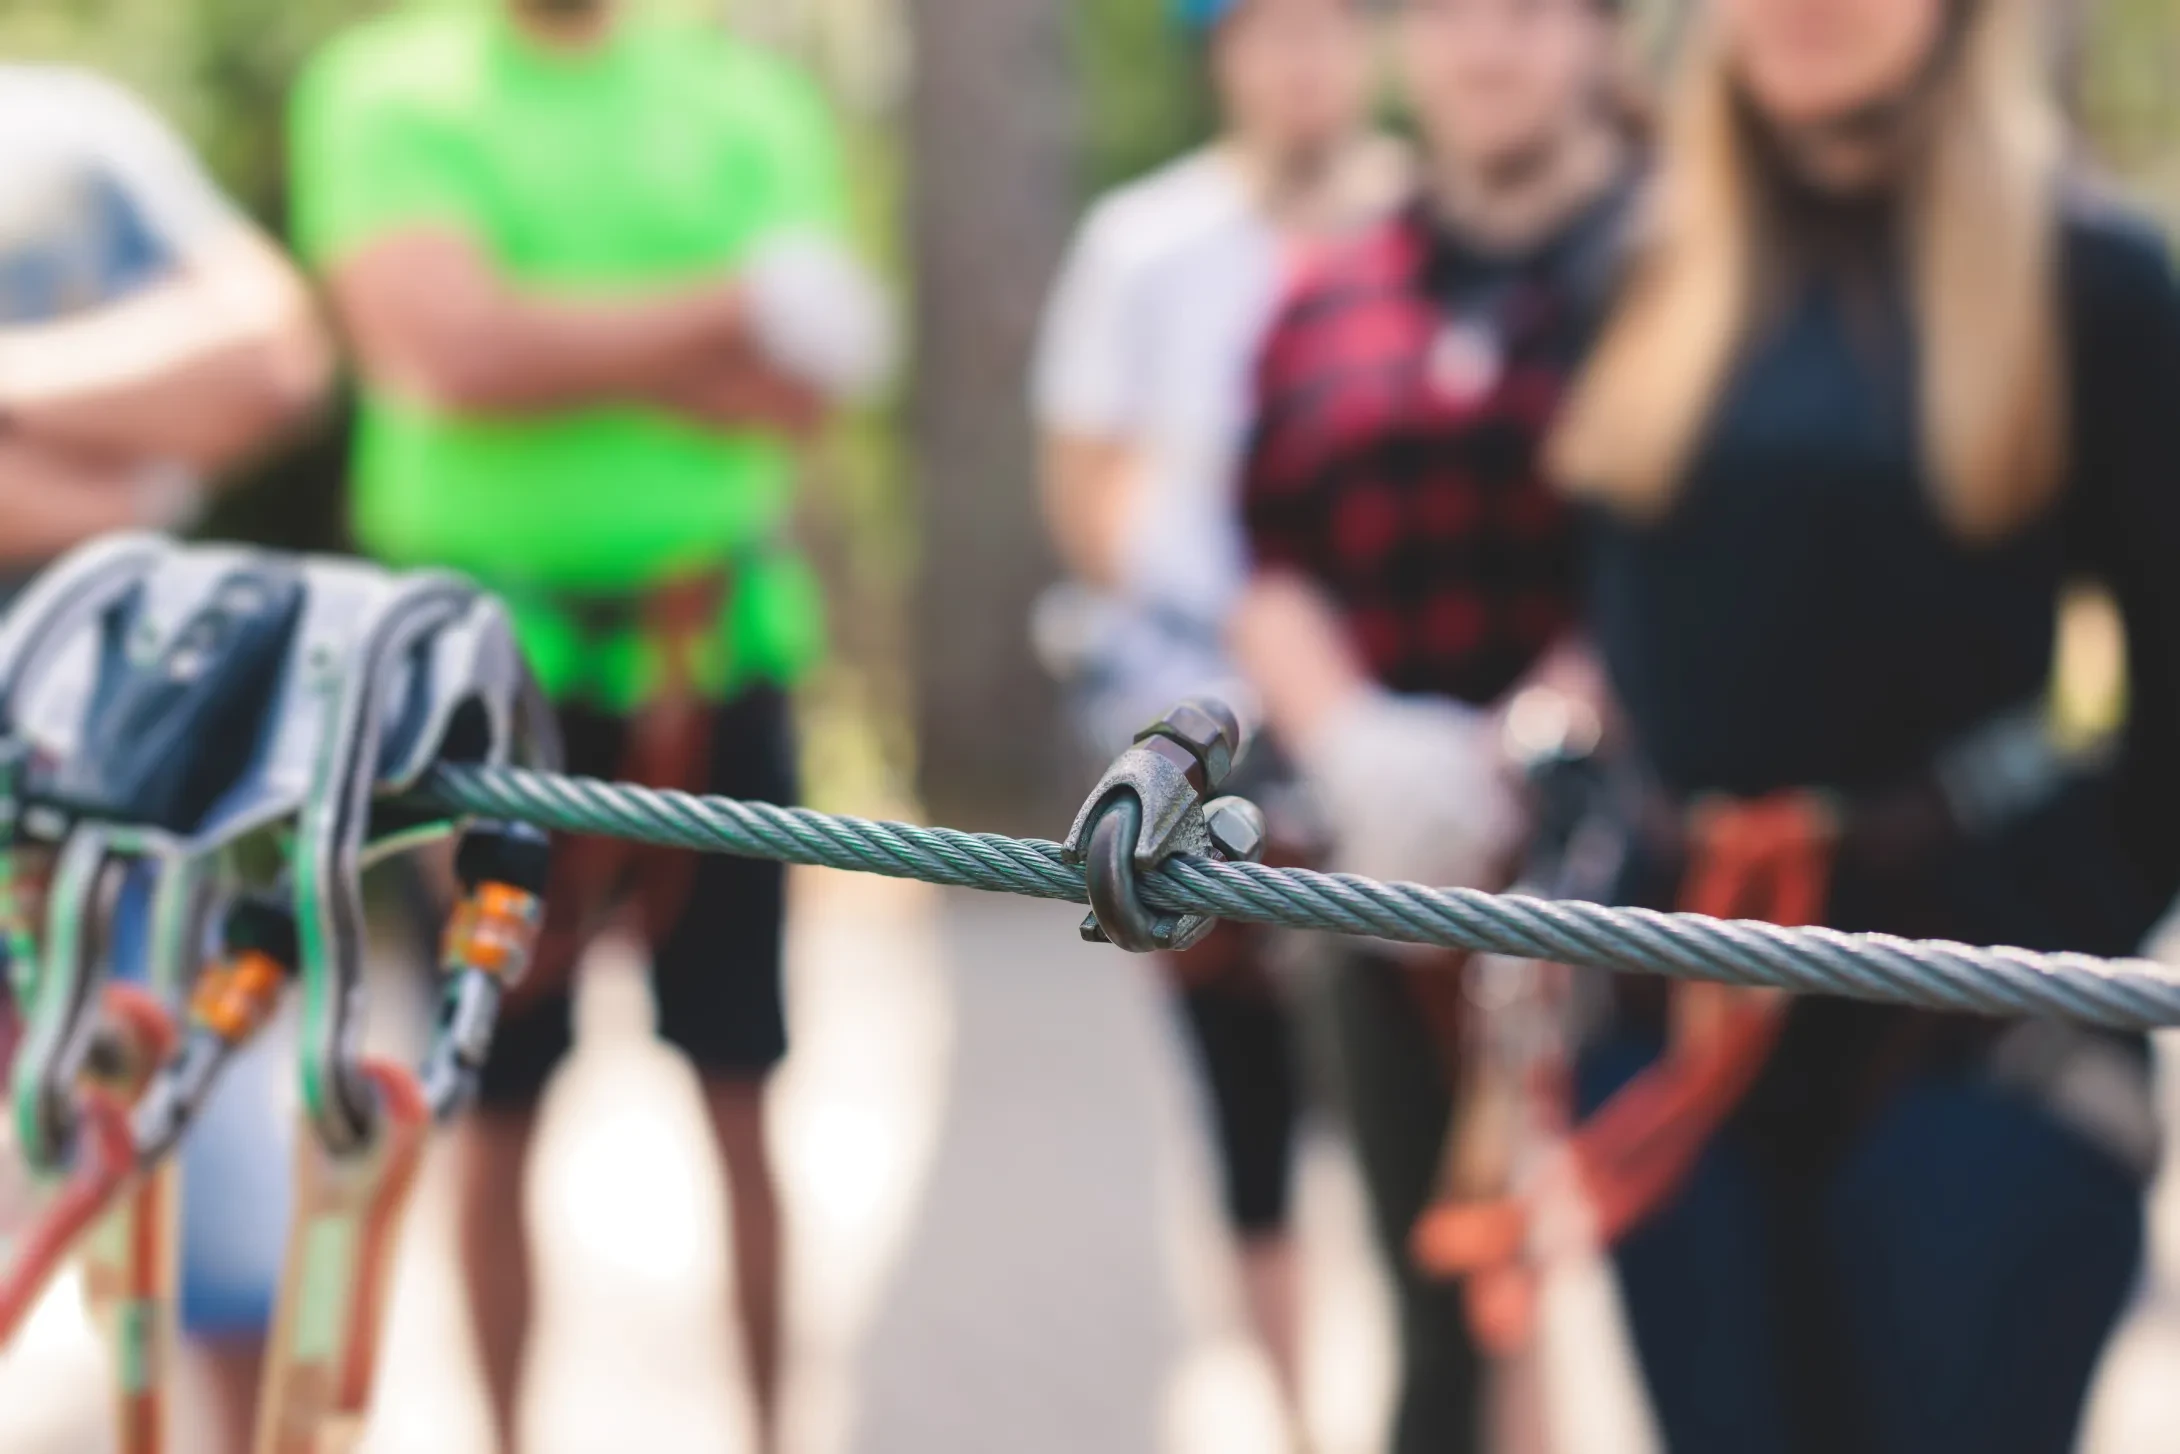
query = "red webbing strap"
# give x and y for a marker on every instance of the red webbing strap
(11, 1030)
(130, 1263)
(342, 1243)
(105, 1159)
(1769, 858)
(105, 1164)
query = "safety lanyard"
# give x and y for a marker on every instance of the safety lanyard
(669, 746)
(1768, 858)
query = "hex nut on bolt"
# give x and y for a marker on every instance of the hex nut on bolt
(1208, 728)
(1183, 757)
(1237, 829)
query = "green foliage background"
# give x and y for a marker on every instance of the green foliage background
(1144, 95)
(1145, 99)
(219, 68)
(2131, 94)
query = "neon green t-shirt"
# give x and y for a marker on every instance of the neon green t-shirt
(660, 157)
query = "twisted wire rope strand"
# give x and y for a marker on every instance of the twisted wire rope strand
(2126, 994)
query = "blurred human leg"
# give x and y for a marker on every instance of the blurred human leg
(1394, 1076)
(716, 974)
(234, 1213)
(232, 1368)
(1696, 1279)
(1271, 1277)
(737, 1112)
(1244, 1042)
(536, 1032)
(492, 1168)
(1982, 1253)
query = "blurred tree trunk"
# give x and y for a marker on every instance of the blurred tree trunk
(993, 189)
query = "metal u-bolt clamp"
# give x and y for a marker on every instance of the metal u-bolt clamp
(1154, 803)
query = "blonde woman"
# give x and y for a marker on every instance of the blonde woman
(1880, 381)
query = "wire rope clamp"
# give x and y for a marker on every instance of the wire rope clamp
(1156, 803)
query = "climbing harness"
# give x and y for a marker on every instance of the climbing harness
(1768, 858)
(669, 746)
(240, 732)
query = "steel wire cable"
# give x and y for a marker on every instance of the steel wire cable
(2128, 994)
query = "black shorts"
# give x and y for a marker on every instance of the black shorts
(716, 971)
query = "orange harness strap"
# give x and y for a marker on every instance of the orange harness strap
(343, 1234)
(669, 747)
(1767, 858)
(130, 1263)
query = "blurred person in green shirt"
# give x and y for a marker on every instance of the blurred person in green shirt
(589, 260)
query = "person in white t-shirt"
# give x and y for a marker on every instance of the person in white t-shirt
(151, 339)
(150, 336)
(1141, 394)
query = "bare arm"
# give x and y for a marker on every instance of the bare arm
(54, 499)
(201, 370)
(1288, 641)
(741, 391)
(1090, 488)
(429, 317)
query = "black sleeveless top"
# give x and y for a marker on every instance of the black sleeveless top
(1802, 617)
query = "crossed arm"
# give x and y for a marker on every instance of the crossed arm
(431, 319)
(194, 373)
(1089, 489)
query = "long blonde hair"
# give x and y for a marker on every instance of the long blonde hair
(1980, 207)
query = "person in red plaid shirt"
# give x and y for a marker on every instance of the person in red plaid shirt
(1141, 397)
(1410, 564)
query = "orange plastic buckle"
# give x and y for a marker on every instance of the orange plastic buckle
(494, 928)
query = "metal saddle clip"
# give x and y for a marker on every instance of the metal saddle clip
(1155, 803)
(200, 750)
